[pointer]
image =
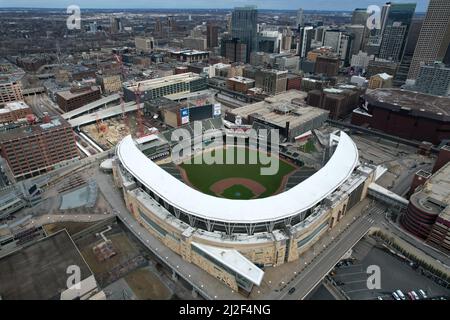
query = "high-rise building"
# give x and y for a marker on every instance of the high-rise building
(358, 32)
(403, 68)
(158, 25)
(340, 42)
(144, 44)
(299, 19)
(373, 43)
(360, 16)
(93, 27)
(244, 27)
(434, 79)
(395, 30)
(271, 81)
(304, 46)
(212, 35)
(38, 148)
(234, 50)
(393, 42)
(286, 41)
(171, 23)
(195, 43)
(319, 34)
(327, 65)
(269, 41)
(434, 37)
(10, 91)
(116, 25)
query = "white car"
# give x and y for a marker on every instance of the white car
(423, 294)
(400, 294)
(395, 295)
(415, 295)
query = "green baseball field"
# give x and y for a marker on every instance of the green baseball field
(235, 181)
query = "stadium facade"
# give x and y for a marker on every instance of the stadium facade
(234, 240)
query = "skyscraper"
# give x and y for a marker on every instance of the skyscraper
(395, 30)
(299, 20)
(306, 35)
(244, 27)
(392, 43)
(373, 43)
(434, 37)
(408, 53)
(360, 16)
(234, 50)
(116, 24)
(212, 35)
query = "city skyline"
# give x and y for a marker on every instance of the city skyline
(344, 5)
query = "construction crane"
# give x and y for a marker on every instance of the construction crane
(139, 115)
(97, 120)
(122, 102)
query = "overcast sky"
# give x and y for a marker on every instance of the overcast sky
(261, 4)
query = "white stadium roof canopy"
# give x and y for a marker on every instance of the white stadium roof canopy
(283, 205)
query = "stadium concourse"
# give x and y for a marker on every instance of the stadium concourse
(234, 240)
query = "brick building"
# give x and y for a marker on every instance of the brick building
(327, 65)
(77, 97)
(39, 148)
(406, 114)
(340, 101)
(14, 111)
(240, 84)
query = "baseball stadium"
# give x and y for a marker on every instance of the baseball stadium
(228, 219)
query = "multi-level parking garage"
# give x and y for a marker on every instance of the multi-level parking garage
(263, 232)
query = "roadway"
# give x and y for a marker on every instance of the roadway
(90, 106)
(323, 263)
(41, 103)
(102, 114)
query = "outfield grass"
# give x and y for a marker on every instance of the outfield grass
(203, 176)
(308, 147)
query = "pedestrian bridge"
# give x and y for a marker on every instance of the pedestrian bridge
(388, 197)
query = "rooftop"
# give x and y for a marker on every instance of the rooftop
(434, 195)
(162, 82)
(419, 104)
(39, 271)
(242, 79)
(281, 108)
(286, 204)
(29, 130)
(68, 94)
(13, 106)
(233, 260)
(188, 52)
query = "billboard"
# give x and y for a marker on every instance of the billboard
(217, 110)
(184, 116)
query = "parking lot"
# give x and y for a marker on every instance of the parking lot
(395, 274)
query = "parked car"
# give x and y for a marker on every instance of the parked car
(411, 296)
(395, 296)
(291, 290)
(379, 298)
(415, 295)
(400, 294)
(422, 294)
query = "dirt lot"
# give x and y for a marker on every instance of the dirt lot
(123, 246)
(147, 286)
(72, 227)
